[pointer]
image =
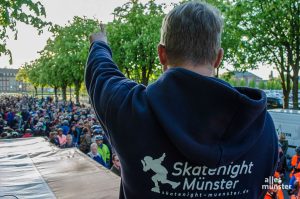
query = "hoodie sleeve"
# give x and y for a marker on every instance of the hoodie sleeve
(105, 83)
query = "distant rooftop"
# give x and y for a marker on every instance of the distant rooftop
(8, 70)
(245, 75)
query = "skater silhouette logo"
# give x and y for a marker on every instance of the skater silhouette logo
(160, 171)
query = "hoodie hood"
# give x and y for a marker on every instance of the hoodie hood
(210, 122)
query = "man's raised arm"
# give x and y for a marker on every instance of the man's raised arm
(105, 83)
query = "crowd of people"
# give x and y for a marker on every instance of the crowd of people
(65, 124)
(288, 169)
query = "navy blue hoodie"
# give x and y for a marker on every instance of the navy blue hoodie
(184, 136)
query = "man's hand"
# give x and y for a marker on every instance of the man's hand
(100, 36)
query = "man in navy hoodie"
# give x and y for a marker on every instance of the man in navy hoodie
(187, 135)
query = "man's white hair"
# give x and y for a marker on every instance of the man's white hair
(94, 145)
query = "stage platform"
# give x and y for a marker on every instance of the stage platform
(32, 168)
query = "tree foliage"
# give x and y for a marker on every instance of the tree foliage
(13, 11)
(273, 84)
(29, 73)
(262, 85)
(62, 61)
(256, 33)
(68, 52)
(271, 35)
(134, 35)
(252, 83)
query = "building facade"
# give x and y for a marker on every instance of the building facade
(8, 82)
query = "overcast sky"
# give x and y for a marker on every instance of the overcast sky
(60, 12)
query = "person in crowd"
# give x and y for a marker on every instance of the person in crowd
(27, 134)
(284, 143)
(95, 155)
(178, 124)
(75, 131)
(294, 192)
(47, 125)
(97, 130)
(85, 140)
(295, 160)
(69, 143)
(15, 134)
(2, 124)
(65, 127)
(53, 138)
(275, 191)
(10, 115)
(105, 139)
(116, 167)
(282, 163)
(103, 149)
(39, 128)
(4, 135)
(25, 115)
(61, 137)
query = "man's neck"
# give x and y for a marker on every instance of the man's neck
(204, 70)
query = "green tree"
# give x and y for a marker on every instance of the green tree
(38, 73)
(242, 82)
(227, 76)
(133, 36)
(277, 85)
(32, 74)
(270, 85)
(271, 36)
(48, 71)
(22, 75)
(13, 11)
(262, 85)
(232, 81)
(232, 38)
(252, 84)
(69, 50)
